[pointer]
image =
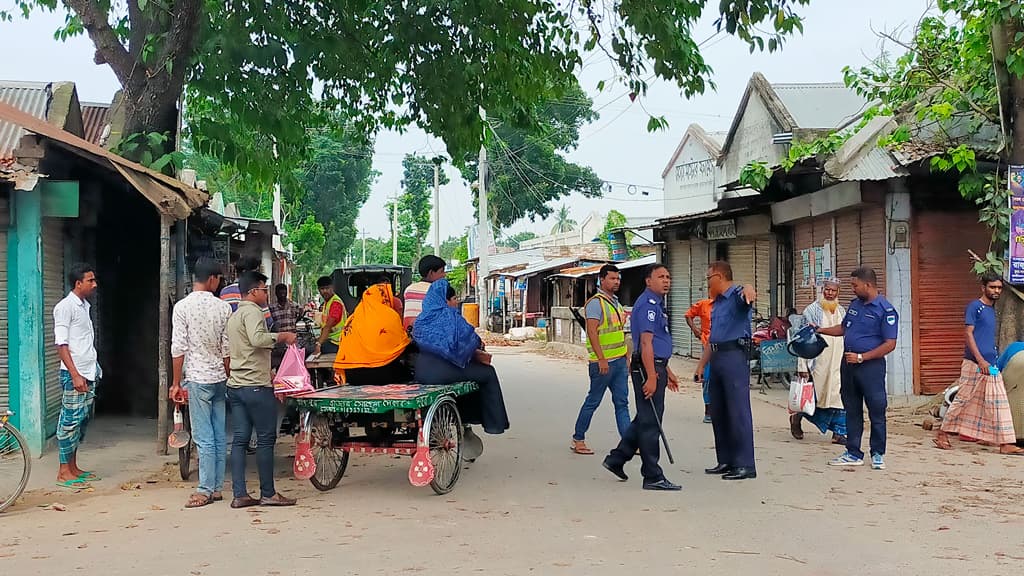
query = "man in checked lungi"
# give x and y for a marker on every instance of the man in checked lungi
(980, 411)
(79, 370)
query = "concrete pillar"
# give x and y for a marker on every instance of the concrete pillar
(898, 290)
(26, 317)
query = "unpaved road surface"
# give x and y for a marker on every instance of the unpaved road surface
(528, 506)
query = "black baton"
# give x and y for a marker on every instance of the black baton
(661, 431)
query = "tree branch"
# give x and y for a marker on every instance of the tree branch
(109, 49)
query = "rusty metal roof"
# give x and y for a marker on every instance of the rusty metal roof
(32, 98)
(95, 118)
(169, 196)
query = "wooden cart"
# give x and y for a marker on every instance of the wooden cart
(407, 419)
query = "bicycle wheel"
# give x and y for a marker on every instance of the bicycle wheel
(15, 465)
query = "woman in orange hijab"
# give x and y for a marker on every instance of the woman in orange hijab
(373, 340)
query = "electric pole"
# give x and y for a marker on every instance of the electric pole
(484, 227)
(437, 207)
(394, 232)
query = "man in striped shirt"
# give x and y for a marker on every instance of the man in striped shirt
(431, 268)
(231, 293)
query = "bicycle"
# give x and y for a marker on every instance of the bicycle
(14, 462)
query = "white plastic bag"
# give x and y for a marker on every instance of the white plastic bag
(801, 396)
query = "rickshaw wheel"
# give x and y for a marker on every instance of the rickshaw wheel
(331, 461)
(443, 432)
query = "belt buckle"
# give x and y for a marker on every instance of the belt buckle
(713, 346)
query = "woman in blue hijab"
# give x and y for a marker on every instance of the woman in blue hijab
(451, 351)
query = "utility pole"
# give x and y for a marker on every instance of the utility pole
(484, 226)
(437, 207)
(394, 233)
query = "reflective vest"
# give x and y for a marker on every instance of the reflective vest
(335, 336)
(610, 333)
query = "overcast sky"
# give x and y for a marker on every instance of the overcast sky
(617, 146)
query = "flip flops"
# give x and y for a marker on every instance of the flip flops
(74, 484)
(88, 476)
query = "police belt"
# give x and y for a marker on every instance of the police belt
(730, 345)
(638, 360)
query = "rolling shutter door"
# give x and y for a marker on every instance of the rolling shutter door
(847, 247)
(808, 235)
(872, 241)
(53, 292)
(679, 297)
(943, 285)
(698, 284)
(742, 260)
(5, 379)
(762, 276)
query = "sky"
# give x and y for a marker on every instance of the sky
(617, 146)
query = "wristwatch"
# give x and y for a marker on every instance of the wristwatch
(860, 358)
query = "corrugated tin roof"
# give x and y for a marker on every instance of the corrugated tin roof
(32, 98)
(829, 105)
(592, 270)
(511, 259)
(876, 164)
(95, 118)
(544, 266)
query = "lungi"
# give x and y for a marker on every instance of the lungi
(980, 409)
(75, 408)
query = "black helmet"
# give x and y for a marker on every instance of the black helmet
(806, 344)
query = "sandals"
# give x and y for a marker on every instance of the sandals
(580, 447)
(74, 484)
(198, 500)
(1012, 451)
(942, 443)
(88, 476)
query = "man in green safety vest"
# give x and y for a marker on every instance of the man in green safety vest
(333, 316)
(609, 352)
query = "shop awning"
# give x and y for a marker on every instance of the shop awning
(594, 269)
(544, 267)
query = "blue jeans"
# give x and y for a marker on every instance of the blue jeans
(253, 407)
(206, 408)
(615, 380)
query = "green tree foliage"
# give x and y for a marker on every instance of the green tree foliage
(415, 204)
(308, 239)
(962, 76)
(332, 184)
(384, 62)
(457, 277)
(563, 221)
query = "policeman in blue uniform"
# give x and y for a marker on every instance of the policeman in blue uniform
(869, 334)
(652, 345)
(731, 312)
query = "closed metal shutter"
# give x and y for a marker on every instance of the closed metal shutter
(943, 285)
(53, 292)
(679, 297)
(847, 246)
(872, 241)
(762, 276)
(5, 373)
(698, 284)
(743, 261)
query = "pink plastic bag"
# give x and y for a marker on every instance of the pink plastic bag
(292, 376)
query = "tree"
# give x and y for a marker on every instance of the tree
(457, 277)
(415, 203)
(516, 239)
(526, 166)
(385, 63)
(563, 222)
(963, 72)
(332, 185)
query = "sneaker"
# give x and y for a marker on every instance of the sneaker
(707, 418)
(846, 459)
(877, 463)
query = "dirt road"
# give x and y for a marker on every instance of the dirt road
(528, 506)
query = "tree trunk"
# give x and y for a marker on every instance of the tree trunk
(1011, 92)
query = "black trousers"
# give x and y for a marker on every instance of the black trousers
(643, 431)
(486, 406)
(731, 420)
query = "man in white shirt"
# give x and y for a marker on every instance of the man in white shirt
(201, 357)
(74, 338)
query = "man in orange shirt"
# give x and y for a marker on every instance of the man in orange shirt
(701, 310)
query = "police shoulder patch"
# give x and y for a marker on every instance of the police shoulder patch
(890, 319)
(651, 315)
